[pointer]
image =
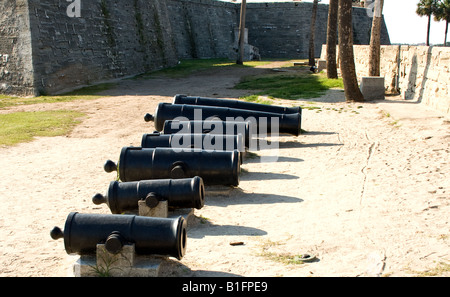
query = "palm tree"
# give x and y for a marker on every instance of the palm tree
(312, 60)
(427, 8)
(332, 39)
(374, 53)
(240, 59)
(346, 55)
(442, 13)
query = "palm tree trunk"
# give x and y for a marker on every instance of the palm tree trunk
(374, 53)
(332, 39)
(312, 60)
(346, 55)
(446, 32)
(240, 59)
(428, 30)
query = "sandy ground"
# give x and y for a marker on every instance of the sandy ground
(365, 190)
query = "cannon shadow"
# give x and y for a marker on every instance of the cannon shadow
(260, 159)
(266, 176)
(249, 198)
(202, 228)
(174, 268)
(294, 144)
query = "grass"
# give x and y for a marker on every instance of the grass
(441, 269)
(284, 258)
(187, 67)
(290, 86)
(24, 126)
(256, 99)
(87, 93)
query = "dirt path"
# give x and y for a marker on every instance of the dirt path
(365, 190)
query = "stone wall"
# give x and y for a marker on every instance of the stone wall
(418, 73)
(203, 28)
(16, 69)
(45, 51)
(111, 39)
(282, 30)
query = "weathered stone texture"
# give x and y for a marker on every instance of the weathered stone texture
(418, 73)
(16, 69)
(112, 39)
(283, 29)
(44, 51)
(203, 28)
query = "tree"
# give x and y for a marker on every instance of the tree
(312, 60)
(332, 39)
(240, 59)
(442, 13)
(426, 8)
(346, 55)
(374, 52)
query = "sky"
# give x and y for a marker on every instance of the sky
(403, 24)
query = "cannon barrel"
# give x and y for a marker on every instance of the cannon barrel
(215, 168)
(183, 99)
(179, 193)
(209, 142)
(229, 128)
(150, 235)
(288, 123)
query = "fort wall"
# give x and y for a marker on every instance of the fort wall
(47, 49)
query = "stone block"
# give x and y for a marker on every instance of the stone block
(321, 65)
(160, 210)
(372, 87)
(124, 264)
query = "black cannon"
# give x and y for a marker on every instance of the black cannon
(179, 193)
(208, 142)
(217, 127)
(183, 99)
(287, 123)
(215, 168)
(150, 235)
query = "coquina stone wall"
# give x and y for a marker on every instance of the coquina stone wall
(16, 69)
(203, 28)
(110, 39)
(43, 50)
(420, 73)
(282, 30)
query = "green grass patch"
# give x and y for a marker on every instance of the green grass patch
(20, 127)
(441, 269)
(187, 67)
(256, 99)
(87, 93)
(290, 86)
(284, 258)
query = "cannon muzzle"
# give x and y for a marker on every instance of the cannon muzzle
(150, 235)
(180, 193)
